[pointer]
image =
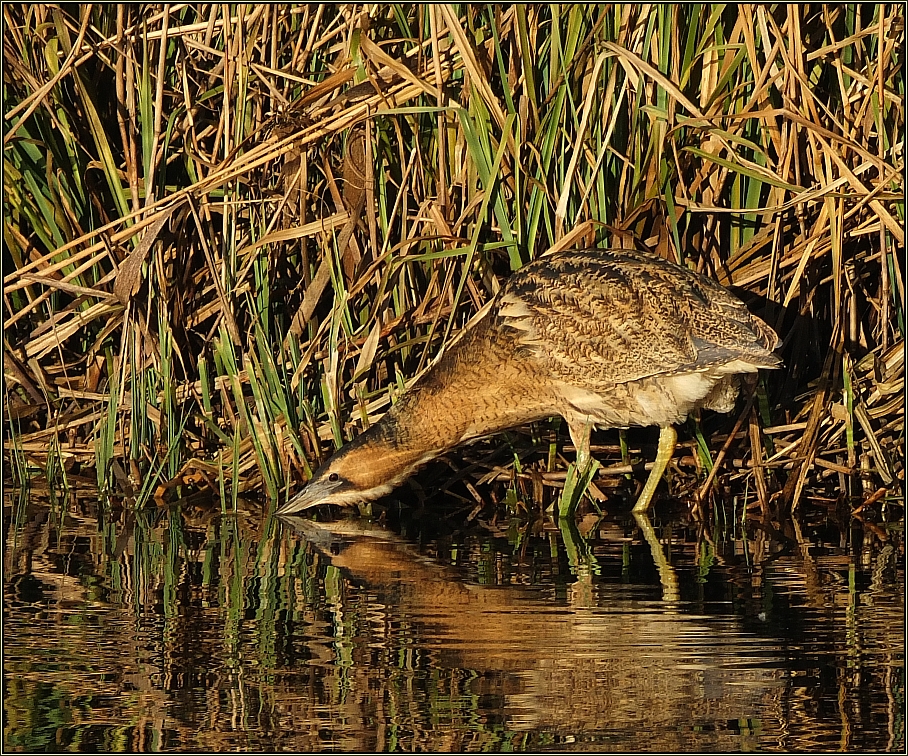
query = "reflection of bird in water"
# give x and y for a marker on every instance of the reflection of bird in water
(607, 338)
(557, 667)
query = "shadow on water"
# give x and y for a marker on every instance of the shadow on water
(185, 629)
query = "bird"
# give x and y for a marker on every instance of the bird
(606, 338)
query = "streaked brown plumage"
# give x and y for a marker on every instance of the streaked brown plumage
(610, 338)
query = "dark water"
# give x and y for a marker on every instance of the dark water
(185, 629)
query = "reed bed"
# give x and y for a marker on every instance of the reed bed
(233, 234)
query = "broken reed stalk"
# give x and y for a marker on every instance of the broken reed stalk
(195, 275)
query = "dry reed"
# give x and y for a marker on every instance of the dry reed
(230, 229)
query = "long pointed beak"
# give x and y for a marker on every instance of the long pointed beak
(315, 493)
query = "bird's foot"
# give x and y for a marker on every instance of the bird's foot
(668, 437)
(576, 484)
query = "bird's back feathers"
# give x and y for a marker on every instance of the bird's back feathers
(608, 317)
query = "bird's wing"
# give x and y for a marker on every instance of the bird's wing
(606, 317)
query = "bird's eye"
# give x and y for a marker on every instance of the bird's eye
(334, 477)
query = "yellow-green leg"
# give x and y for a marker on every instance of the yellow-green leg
(579, 478)
(580, 435)
(668, 436)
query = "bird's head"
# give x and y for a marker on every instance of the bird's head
(364, 470)
(345, 479)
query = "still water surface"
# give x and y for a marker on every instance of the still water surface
(186, 629)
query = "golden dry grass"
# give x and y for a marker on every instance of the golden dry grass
(226, 236)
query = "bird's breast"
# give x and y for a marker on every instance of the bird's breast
(659, 400)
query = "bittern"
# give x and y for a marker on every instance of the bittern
(603, 337)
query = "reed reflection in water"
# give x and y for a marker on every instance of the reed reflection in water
(602, 662)
(182, 629)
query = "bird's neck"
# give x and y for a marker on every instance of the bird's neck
(476, 389)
